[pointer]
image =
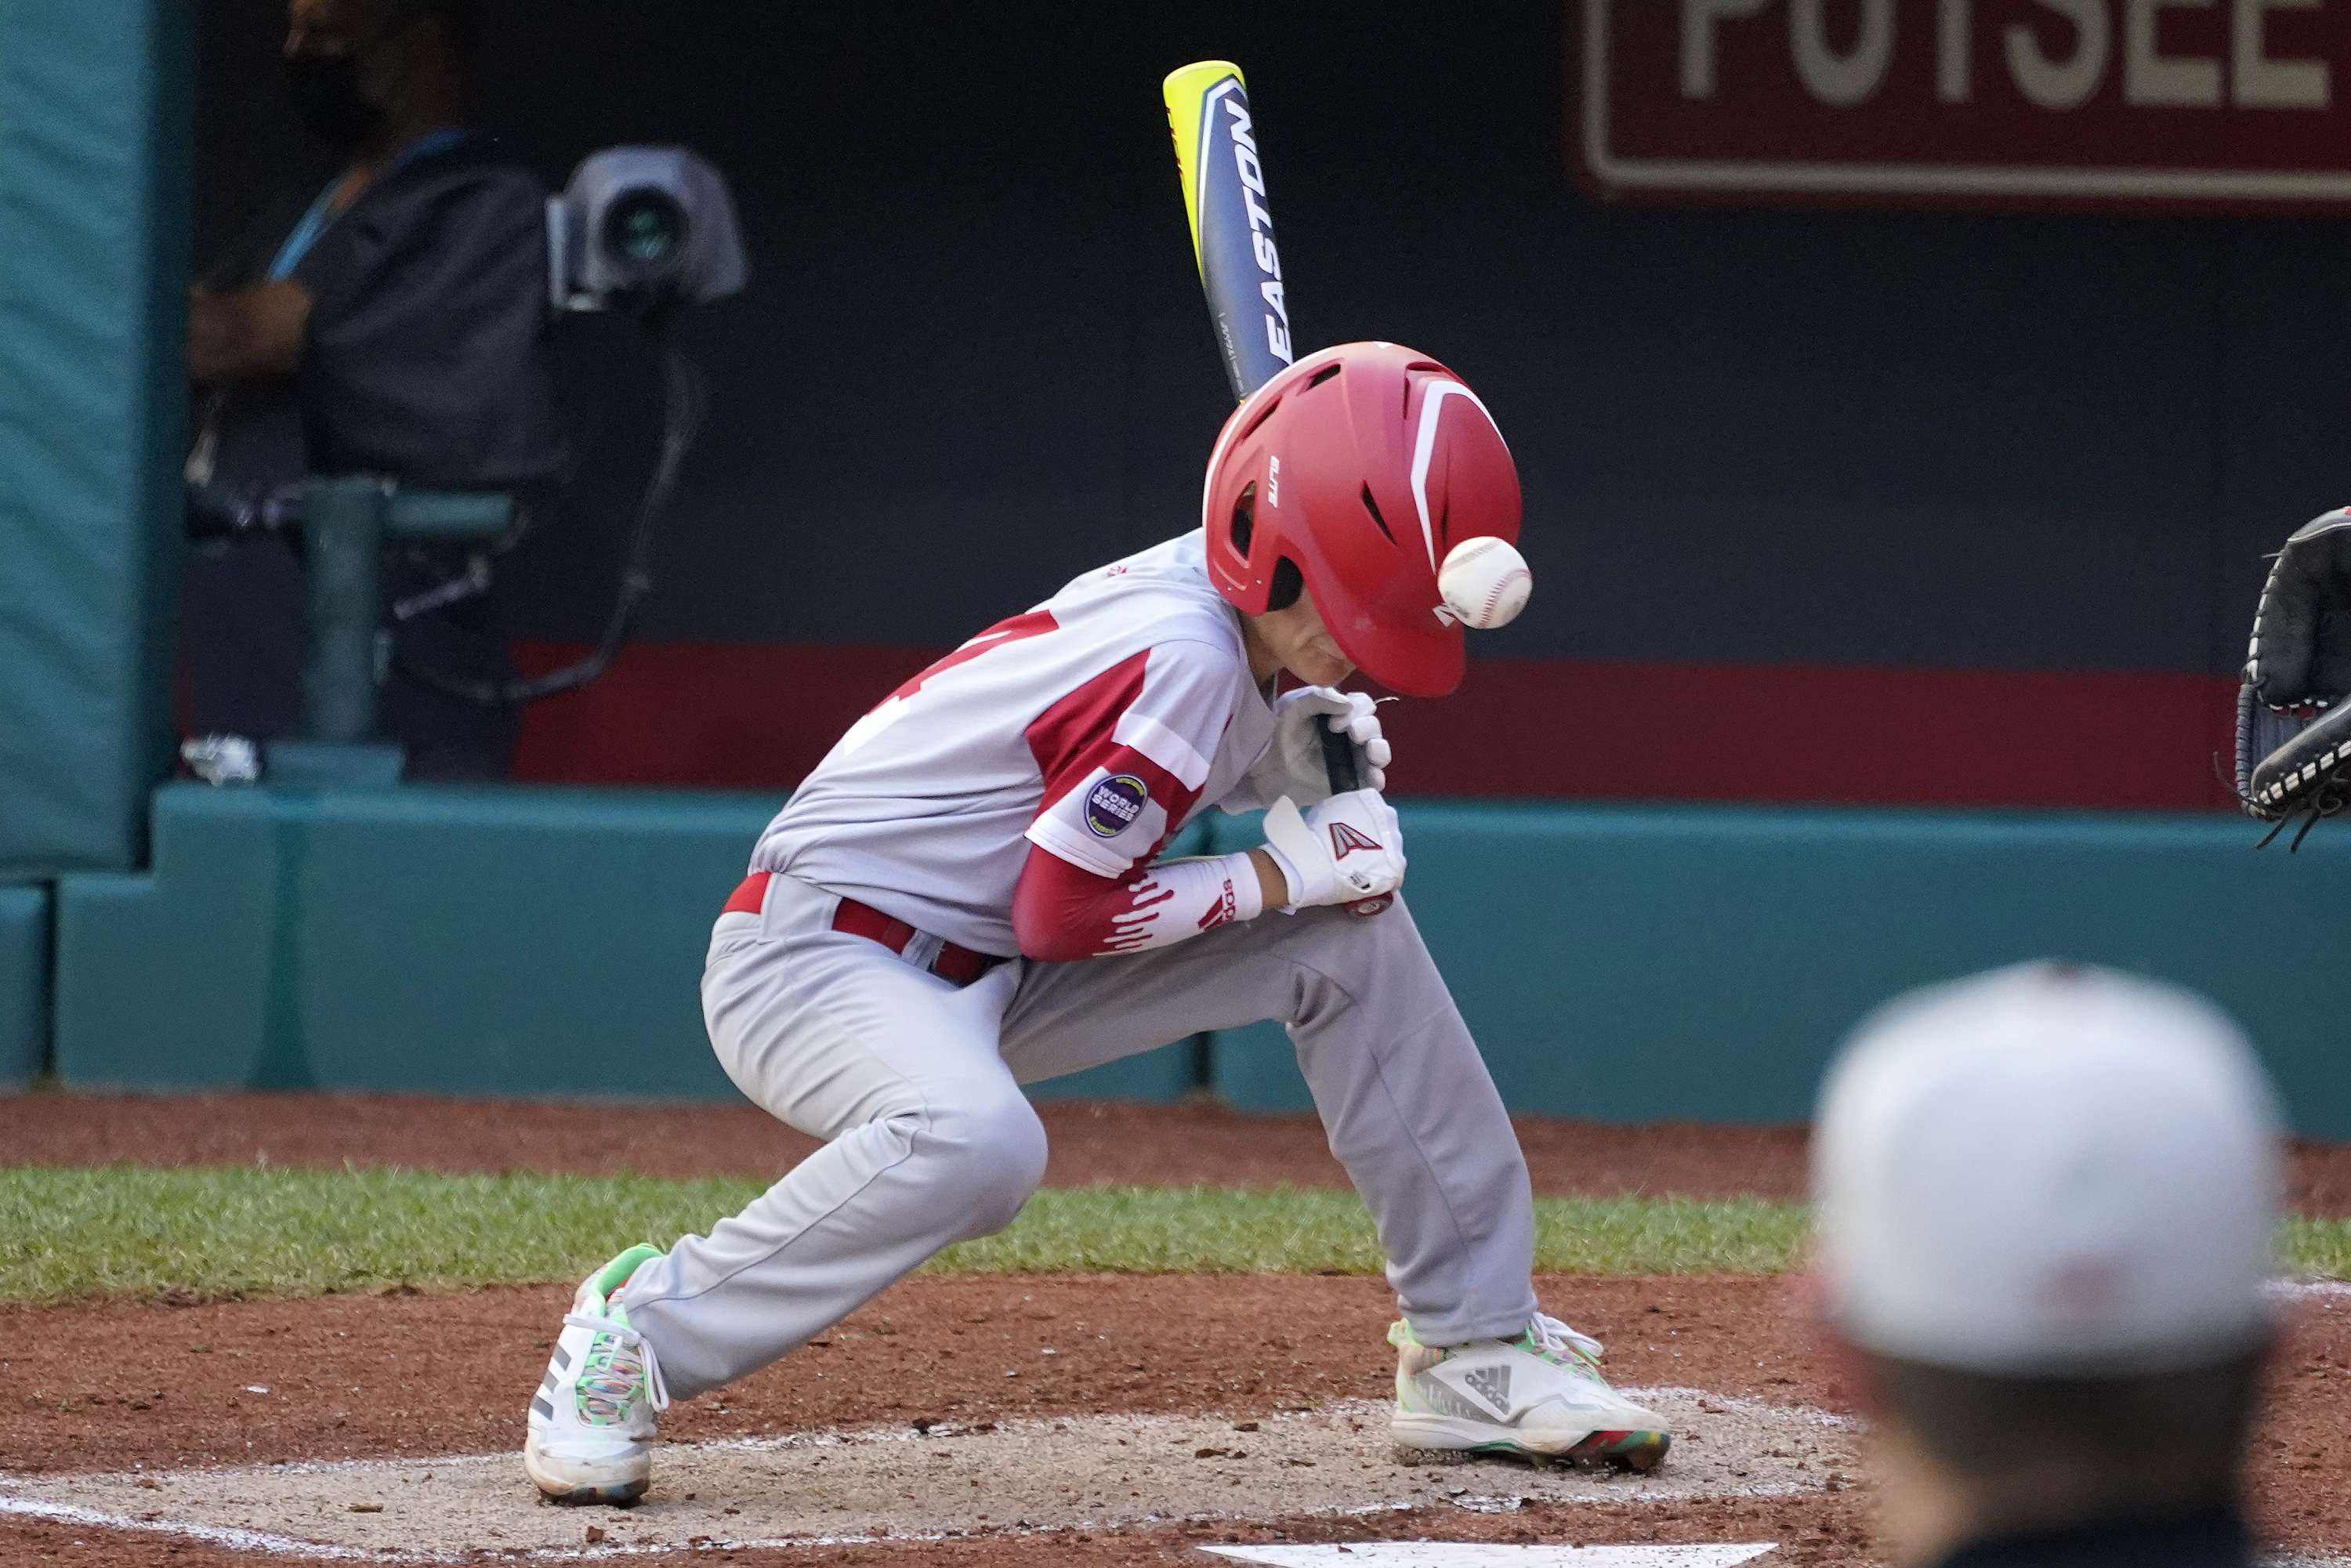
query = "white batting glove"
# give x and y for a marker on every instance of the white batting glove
(1348, 848)
(1293, 764)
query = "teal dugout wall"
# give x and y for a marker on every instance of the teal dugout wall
(510, 942)
(94, 139)
(1637, 964)
(23, 983)
(1624, 964)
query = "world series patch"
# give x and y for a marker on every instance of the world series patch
(1112, 805)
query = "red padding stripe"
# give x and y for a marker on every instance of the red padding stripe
(760, 717)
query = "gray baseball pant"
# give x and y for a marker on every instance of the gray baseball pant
(915, 1085)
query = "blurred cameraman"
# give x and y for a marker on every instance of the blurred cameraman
(2046, 1200)
(392, 321)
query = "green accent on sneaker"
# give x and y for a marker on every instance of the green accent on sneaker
(611, 1383)
(611, 1379)
(1568, 1353)
(615, 1274)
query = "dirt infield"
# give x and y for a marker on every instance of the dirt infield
(1026, 1384)
(425, 1376)
(1151, 1146)
(115, 1388)
(269, 1386)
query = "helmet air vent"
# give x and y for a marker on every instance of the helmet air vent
(1260, 417)
(1373, 508)
(1289, 582)
(1325, 374)
(1245, 520)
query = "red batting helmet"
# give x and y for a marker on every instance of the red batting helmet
(1365, 467)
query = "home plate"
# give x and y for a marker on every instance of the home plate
(895, 1483)
(1480, 1554)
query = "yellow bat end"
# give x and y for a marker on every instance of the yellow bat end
(1187, 91)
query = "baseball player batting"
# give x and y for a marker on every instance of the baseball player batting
(964, 897)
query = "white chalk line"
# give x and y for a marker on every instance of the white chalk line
(187, 1529)
(1495, 1554)
(270, 1542)
(263, 1541)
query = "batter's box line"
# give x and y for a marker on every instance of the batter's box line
(260, 1540)
(267, 1541)
(271, 1543)
(227, 1535)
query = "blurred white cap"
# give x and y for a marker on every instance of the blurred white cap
(2047, 1170)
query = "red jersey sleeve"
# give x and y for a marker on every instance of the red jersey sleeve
(1061, 914)
(1123, 756)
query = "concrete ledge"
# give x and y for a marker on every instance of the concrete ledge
(518, 942)
(1634, 963)
(24, 982)
(1620, 962)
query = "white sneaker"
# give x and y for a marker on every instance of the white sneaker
(1539, 1394)
(591, 1421)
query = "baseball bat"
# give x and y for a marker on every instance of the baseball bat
(1232, 229)
(1241, 271)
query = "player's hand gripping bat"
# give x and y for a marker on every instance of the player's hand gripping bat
(1240, 270)
(1339, 760)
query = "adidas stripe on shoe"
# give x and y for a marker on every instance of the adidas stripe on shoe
(591, 1421)
(1539, 1394)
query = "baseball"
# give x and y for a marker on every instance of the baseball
(1485, 582)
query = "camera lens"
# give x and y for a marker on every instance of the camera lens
(644, 230)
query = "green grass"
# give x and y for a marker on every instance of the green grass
(2318, 1249)
(1216, 1230)
(133, 1231)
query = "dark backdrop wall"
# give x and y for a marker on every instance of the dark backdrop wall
(1821, 505)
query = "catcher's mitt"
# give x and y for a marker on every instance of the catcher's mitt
(2293, 729)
